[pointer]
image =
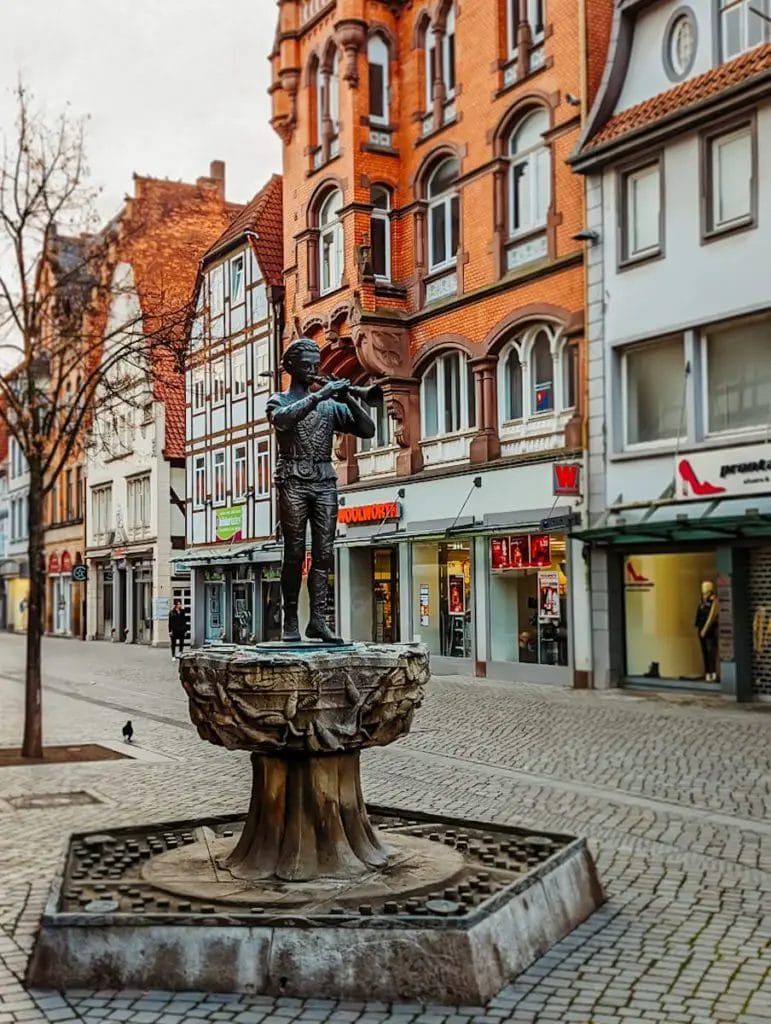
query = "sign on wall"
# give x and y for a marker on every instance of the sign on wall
(229, 523)
(548, 596)
(424, 605)
(160, 608)
(377, 513)
(567, 479)
(724, 471)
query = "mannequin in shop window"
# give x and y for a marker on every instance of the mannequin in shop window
(706, 623)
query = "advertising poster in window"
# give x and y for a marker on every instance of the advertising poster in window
(456, 595)
(519, 552)
(424, 607)
(548, 596)
(499, 553)
(540, 549)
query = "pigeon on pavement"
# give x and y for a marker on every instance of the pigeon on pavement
(128, 731)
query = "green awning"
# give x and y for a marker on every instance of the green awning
(664, 524)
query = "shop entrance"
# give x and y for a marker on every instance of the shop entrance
(385, 610)
(214, 603)
(143, 604)
(61, 605)
(441, 576)
(243, 612)
(105, 591)
(182, 593)
(668, 629)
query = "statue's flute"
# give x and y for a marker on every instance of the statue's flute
(370, 394)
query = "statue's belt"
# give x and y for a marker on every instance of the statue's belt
(304, 468)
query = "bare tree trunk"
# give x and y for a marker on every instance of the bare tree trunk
(33, 711)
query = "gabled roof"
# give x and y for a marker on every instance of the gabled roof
(746, 69)
(261, 220)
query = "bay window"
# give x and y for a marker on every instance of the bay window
(448, 396)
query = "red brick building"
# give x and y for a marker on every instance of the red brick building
(429, 224)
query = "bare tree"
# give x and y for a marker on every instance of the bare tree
(74, 364)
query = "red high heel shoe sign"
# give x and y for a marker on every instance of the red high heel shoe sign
(723, 472)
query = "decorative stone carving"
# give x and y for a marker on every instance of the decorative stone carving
(381, 350)
(351, 35)
(305, 713)
(397, 412)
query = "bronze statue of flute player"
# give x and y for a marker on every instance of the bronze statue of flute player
(305, 423)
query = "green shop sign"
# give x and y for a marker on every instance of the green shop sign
(230, 523)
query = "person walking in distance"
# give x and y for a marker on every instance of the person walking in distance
(177, 628)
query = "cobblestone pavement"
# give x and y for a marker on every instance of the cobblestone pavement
(674, 797)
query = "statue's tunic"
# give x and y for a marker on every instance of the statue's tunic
(305, 449)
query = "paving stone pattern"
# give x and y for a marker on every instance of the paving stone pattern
(673, 795)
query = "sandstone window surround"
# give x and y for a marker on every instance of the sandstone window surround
(438, 43)
(525, 35)
(537, 389)
(324, 93)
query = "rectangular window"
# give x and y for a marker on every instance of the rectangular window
(199, 389)
(239, 472)
(101, 512)
(641, 213)
(69, 495)
(218, 382)
(220, 482)
(78, 493)
(237, 280)
(744, 24)
(262, 468)
(217, 291)
(737, 360)
(139, 503)
(262, 375)
(377, 91)
(730, 184)
(654, 392)
(199, 481)
(238, 369)
(380, 257)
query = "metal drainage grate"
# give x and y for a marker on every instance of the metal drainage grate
(40, 801)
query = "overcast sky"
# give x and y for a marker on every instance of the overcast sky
(169, 84)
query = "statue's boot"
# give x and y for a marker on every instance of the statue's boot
(291, 631)
(317, 591)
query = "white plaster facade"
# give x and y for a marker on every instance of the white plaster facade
(694, 281)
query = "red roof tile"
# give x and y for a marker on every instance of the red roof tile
(686, 94)
(263, 216)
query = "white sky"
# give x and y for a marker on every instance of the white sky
(170, 84)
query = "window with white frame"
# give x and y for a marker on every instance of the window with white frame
(382, 437)
(535, 17)
(641, 212)
(262, 375)
(737, 368)
(443, 215)
(239, 472)
(199, 388)
(101, 511)
(542, 377)
(262, 467)
(653, 392)
(238, 370)
(218, 382)
(529, 174)
(199, 481)
(217, 291)
(377, 59)
(744, 24)
(220, 477)
(331, 243)
(536, 374)
(448, 400)
(380, 232)
(569, 360)
(730, 179)
(138, 494)
(237, 280)
(513, 384)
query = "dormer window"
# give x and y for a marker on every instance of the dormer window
(743, 25)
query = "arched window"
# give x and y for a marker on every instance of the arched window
(377, 57)
(330, 243)
(542, 374)
(529, 174)
(380, 232)
(535, 17)
(443, 215)
(447, 396)
(512, 385)
(382, 438)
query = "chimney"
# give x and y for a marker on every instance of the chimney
(216, 177)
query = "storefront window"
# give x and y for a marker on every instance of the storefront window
(214, 604)
(243, 630)
(662, 598)
(385, 627)
(441, 576)
(528, 599)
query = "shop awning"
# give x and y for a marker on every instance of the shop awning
(715, 521)
(223, 553)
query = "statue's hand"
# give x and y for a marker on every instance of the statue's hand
(333, 389)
